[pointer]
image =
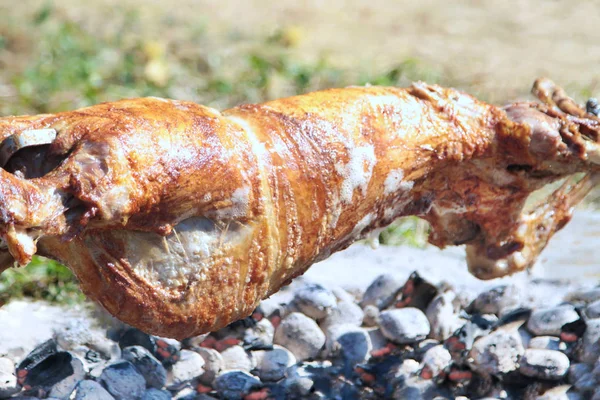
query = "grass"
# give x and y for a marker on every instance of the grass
(70, 68)
(409, 231)
(42, 279)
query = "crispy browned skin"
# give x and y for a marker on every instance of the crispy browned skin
(179, 219)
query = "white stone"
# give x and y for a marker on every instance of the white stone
(351, 342)
(235, 384)
(260, 335)
(498, 300)
(92, 390)
(436, 360)
(442, 314)
(123, 381)
(370, 315)
(344, 313)
(63, 389)
(315, 301)
(156, 394)
(189, 367)
(497, 353)
(382, 291)
(404, 325)
(300, 335)
(235, 357)
(151, 369)
(547, 343)
(8, 379)
(213, 364)
(544, 364)
(548, 321)
(274, 363)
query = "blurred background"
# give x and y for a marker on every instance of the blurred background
(60, 55)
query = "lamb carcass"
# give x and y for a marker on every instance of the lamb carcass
(179, 218)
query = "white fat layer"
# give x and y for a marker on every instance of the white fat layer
(393, 182)
(184, 255)
(335, 215)
(12, 208)
(279, 146)
(522, 230)
(518, 259)
(161, 99)
(20, 242)
(395, 210)
(258, 148)
(390, 212)
(180, 105)
(118, 198)
(453, 209)
(357, 172)
(380, 101)
(363, 224)
(499, 176)
(240, 205)
(26, 241)
(468, 107)
(263, 161)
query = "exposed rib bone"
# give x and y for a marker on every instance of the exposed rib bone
(27, 138)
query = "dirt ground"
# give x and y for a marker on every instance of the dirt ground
(492, 48)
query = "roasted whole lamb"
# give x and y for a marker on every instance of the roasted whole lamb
(179, 218)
